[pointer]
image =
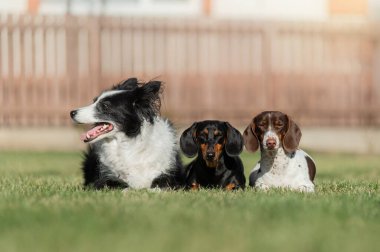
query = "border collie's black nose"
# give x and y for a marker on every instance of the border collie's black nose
(73, 113)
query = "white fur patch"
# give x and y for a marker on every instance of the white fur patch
(86, 114)
(270, 135)
(283, 171)
(141, 159)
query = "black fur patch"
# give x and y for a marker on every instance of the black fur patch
(91, 171)
(311, 167)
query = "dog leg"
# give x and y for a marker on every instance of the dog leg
(231, 186)
(195, 186)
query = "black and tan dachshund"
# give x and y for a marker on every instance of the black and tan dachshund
(217, 165)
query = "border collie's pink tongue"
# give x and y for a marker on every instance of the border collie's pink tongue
(95, 132)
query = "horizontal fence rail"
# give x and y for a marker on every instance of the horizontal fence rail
(320, 73)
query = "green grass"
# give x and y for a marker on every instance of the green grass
(43, 208)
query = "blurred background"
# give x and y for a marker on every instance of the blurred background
(317, 60)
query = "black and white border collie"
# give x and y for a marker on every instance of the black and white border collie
(130, 144)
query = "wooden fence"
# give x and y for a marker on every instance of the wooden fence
(320, 73)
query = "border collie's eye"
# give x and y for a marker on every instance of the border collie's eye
(105, 104)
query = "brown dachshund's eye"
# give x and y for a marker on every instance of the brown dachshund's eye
(261, 124)
(279, 124)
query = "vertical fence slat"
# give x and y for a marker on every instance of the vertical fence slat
(10, 74)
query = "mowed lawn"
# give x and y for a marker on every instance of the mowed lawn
(44, 208)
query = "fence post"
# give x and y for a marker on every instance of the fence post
(10, 75)
(267, 36)
(94, 50)
(375, 85)
(72, 59)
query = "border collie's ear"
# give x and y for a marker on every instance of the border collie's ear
(234, 144)
(152, 87)
(129, 84)
(251, 142)
(292, 136)
(147, 99)
(187, 141)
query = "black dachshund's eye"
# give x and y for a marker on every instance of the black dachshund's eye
(218, 135)
(202, 139)
(220, 139)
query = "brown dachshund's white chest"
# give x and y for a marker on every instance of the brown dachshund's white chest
(283, 171)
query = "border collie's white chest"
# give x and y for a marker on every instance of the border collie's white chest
(139, 160)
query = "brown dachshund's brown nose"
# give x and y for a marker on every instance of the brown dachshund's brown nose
(271, 143)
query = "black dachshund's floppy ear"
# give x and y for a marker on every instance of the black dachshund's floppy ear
(234, 143)
(187, 141)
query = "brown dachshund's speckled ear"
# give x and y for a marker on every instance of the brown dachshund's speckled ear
(251, 142)
(187, 141)
(234, 143)
(292, 136)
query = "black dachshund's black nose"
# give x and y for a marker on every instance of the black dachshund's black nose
(73, 113)
(210, 155)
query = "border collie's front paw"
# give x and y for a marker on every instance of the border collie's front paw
(125, 191)
(155, 189)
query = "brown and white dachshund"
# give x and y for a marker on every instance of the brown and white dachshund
(217, 165)
(282, 164)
